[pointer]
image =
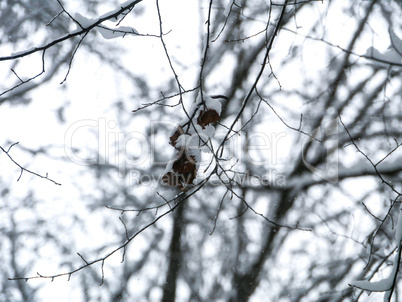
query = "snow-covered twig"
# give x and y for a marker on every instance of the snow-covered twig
(388, 284)
(108, 16)
(84, 26)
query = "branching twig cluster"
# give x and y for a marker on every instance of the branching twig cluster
(81, 31)
(396, 200)
(218, 170)
(22, 169)
(218, 165)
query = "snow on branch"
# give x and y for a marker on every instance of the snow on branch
(392, 56)
(84, 27)
(106, 32)
(388, 284)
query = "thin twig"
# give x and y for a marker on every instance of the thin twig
(30, 79)
(72, 57)
(25, 169)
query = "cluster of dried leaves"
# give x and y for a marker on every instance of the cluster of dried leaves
(183, 171)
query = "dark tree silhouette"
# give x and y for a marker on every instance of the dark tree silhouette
(211, 151)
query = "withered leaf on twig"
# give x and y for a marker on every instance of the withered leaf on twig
(171, 178)
(207, 117)
(176, 135)
(184, 171)
(184, 164)
(184, 168)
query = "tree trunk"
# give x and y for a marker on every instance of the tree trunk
(169, 288)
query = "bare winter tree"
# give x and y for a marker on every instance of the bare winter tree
(237, 151)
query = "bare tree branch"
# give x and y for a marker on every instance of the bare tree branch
(24, 169)
(78, 32)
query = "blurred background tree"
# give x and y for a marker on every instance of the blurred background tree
(284, 207)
